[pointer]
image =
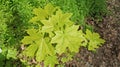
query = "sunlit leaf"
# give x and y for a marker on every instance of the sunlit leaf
(71, 36)
(51, 61)
(94, 40)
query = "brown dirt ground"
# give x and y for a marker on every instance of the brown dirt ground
(107, 55)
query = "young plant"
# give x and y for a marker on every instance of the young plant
(55, 38)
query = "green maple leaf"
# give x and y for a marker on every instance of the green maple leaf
(48, 26)
(51, 61)
(39, 46)
(68, 38)
(50, 9)
(94, 40)
(42, 14)
(57, 21)
(34, 35)
(31, 50)
(44, 49)
(62, 18)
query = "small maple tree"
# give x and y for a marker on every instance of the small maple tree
(55, 36)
